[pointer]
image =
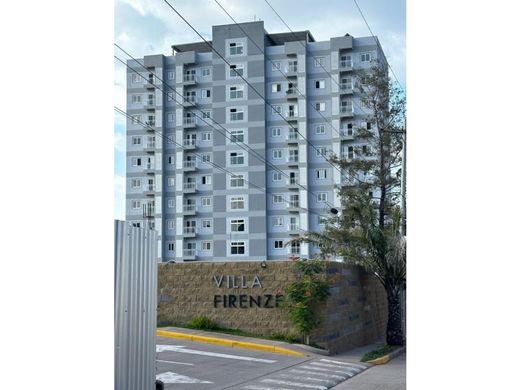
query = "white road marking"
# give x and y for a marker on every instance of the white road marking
(342, 377)
(172, 377)
(305, 378)
(305, 385)
(355, 369)
(182, 349)
(252, 387)
(344, 363)
(169, 361)
(327, 370)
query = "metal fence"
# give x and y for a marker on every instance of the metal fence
(135, 306)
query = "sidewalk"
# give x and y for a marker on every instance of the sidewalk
(389, 376)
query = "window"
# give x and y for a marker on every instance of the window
(320, 129)
(171, 224)
(277, 221)
(319, 62)
(236, 158)
(171, 75)
(171, 117)
(171, 181)
(136, 78)
(369, 126)
(237, 203)
(277, 176)
(320, 84)
(322, 219)
(206, 137)
(350, 152)
(171, 203)
(136, 183)
(277, 87)
(136, 204)
(206, 157)
(276, 132)
(277, 198)
(206, 114)
(238, 225)
(321, 173)
(171, 160)
(136, 140)
(320, 106)
(136, 119)
(206, 180)
(205, 201)
(366, 149)
(321, 151)
(278, 244)
(236, 114)
(205, 72)
(136, 99)
(206, 245)
(238, 247)
(205, 93)
(275, 66)
(276, 109)
(170, 96)
(236, 92)
(236, 48)
(236, 70)
(237, 136)
(237, 181)
(366, 57)
(136, 161)
(206, 223)
(171, 246)
(293, 155)
(277, 154)
(321, 196)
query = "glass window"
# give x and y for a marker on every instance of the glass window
(237, 225)
(237, 136)
(236, 48)
(277, 154)
(237, 203)
(236, 158)
(236, 70)
(205, 72)
(136, 204)
(320, 84)
(320, 129)
(277, 221)
(277, 87)
(205, 201)
(236, 92)
(277, 198)
(236, 114)
(206, 245)
(366, 57)
(278, 244)
(322, 196)
(238, 248)
(277, 176)
(276, 132)
(237, 181)
(206, 223)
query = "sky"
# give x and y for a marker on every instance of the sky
(145, 27)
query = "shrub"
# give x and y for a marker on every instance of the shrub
(202, 323)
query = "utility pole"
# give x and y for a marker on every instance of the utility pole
(403, 184)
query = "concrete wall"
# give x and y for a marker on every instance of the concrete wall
(355, 313)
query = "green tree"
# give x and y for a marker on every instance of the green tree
(366, 230)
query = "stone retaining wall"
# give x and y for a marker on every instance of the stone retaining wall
(244, 295)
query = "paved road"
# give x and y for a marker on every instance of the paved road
(389, 376)
(186, 365)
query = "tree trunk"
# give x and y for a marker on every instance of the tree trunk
(394, 332)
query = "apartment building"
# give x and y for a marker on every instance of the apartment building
(223, 174)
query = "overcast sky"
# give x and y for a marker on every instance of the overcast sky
(144, 27)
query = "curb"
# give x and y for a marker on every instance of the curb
(386, 358)
(229, 343)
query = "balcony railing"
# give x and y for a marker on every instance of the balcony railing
(292, 159)
(292, 136)
(189, 99)
(148, 166)
(189, 229)
(189, 77)
(294, 250)
(294, 203)
(189, 142)
(150, 123)
(188, 208)
(189, 185)
(150, 145)
(150, 188)
(346, 110)
(346, 132)
(189, 121)
(292, 181)
(190, 252)
(189, 163)
(294, 227)
(291, 114)
(345, 87)
(292, 68)
(345, 64)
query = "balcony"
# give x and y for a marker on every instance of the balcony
(346, 89)
(150, 83)
(291, 93)
(294, 250)
(291, 70)
(189, 187)
(149, 190)
(293, 206)
(189, 122)
(189, 254)
(189, 101)
(189, 209)
(189, 165)
(346, 111)
(149, 147)
(293, 228)
(189, 143)
(149, 105)
(292, 137)
(292, 160)
(189, 79)
(189, 231)
(148, 210)
(149, 168)
(291, 115)
(346, 134)
(345, 65)
(292, 184)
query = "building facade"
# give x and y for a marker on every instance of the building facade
(225, 157)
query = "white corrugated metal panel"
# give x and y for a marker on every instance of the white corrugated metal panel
(135, 306)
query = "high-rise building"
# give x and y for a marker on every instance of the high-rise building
(225, 158)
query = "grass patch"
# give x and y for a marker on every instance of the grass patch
(377, 353)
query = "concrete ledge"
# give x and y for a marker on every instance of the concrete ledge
(386, 358)
(230, 343)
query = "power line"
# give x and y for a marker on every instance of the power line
(249, 149)
(247, 82)
(376, 40)
(215, 165)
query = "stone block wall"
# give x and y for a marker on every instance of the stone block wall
(244, 295)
